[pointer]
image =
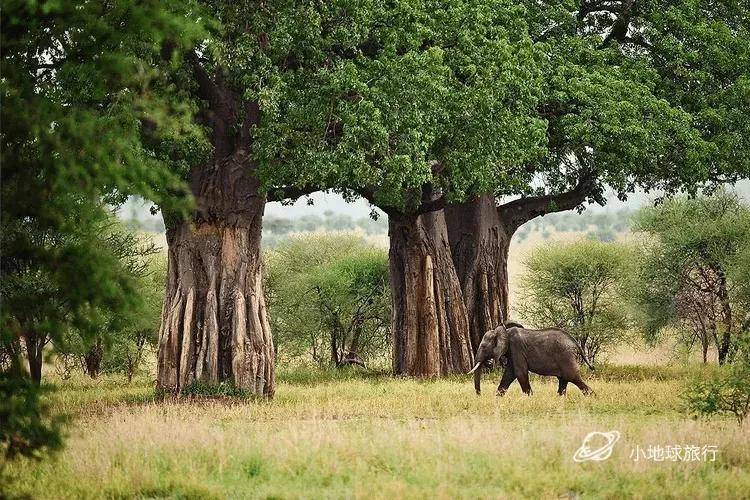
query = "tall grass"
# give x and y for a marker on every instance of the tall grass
(359, 435)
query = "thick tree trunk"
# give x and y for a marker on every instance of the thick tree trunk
(428, 320)
(214, 321)
(479, 245)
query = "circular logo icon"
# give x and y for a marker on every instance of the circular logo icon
(597, 446)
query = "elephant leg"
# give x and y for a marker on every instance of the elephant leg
(508, 377)
(562, 386)
(521, 369)
(523, 379)
(586, 390)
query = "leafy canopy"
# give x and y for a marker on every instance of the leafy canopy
(645, 94)
(406, 102)
(382, 97)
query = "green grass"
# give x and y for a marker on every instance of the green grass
(354, 434)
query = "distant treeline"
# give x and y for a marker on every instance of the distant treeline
(329, 221)
(599, 226)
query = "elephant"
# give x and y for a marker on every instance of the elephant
(548, 352)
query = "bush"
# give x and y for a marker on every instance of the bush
(728, 393)
(115, 341)
(329, 300)
(124, 353)
(27, 427)
(578, 287)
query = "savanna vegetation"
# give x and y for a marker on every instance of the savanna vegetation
(320, 364)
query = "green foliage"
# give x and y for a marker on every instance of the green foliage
(328, 299)
(27, 427)
(739, 273)
(644, 93)
(579, 287)
(379, 94)
(691, 271)
(398, 100)
(117, 335)
(726, 393)
(126, 347)
(83, 92)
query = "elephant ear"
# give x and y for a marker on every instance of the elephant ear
(503, 340)
(489, 340)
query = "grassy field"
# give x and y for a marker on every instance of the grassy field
(354, 435)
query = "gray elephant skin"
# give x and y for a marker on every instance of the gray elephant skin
(549, 352)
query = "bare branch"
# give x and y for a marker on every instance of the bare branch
(517, 212)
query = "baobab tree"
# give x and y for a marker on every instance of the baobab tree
(418, 106)
(214, 325)
(630, 102)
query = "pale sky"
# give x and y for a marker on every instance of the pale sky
(360, 208)
(329, 201)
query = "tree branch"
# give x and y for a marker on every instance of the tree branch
(517, 212)
(619, 29)
(427, 202)
(208, 89)
(290, 192)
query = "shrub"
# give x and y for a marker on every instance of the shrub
(728, 393)
(27, 428)
(329, 300)
(125, 350)
(578, 287)
(115, 341)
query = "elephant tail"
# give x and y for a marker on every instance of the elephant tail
(581, 352)
(585, 359)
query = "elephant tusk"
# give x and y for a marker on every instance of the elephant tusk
(473, 369)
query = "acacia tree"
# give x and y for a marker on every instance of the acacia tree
(687, 276)
(631, 100)
(579, 287)
(329, 301)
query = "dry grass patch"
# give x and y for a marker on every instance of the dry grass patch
(380, 437)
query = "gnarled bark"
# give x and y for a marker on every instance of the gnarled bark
(479, 244)
(480, 234)
(214, 323)
(428, 319)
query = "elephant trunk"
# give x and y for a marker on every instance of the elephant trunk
(478, 378)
